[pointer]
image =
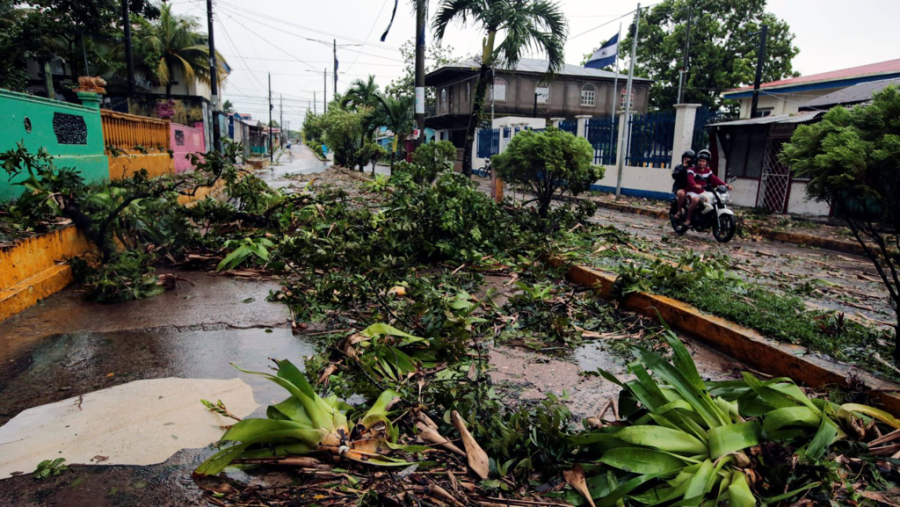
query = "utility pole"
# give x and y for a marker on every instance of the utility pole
(687, 54)
(315, 104)
(420, 72)
(622, 135)
(325, 91)
(334, 91)
(535, 105)
(281, 116)
(213, 75)
(271, 147)
(129, 57)
(760, 59)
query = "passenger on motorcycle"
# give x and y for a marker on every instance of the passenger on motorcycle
(697, 179)
(679, 174)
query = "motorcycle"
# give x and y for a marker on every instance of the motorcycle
(711, 213)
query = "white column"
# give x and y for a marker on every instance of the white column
(582, 124)
(685, 117)
(555, 121)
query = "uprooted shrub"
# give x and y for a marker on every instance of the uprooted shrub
(428, 161)
(684, 441)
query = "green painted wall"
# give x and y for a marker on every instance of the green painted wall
(72, 133)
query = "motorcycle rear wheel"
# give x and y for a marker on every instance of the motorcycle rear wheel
(724, 228)
(678, 224)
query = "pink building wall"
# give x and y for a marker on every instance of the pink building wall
(184, 141)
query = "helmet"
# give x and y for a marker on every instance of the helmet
(705, 155)
(688, 154)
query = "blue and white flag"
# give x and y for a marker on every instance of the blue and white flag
(606, 55)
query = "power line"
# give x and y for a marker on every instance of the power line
(234, 46)
(610, 21)
(370, 31)
(318, 61)
(267, 41)
(272, 18)
(299, 36)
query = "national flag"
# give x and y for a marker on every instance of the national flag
(606, 55)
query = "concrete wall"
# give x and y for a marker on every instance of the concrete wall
(184, 142)
(72, 133)
(746, 191)
(783, 103)
(650, 182)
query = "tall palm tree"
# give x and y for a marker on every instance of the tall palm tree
(394, 113)
(361, 93)
(526, 25)
(179, 45)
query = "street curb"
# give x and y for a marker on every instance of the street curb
(743, 344)
(796, 238)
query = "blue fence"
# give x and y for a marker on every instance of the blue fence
(603, 134)
(488, 143)
(651, 138)
(570, 126)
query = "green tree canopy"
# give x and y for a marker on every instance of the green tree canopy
(723, 51)
(852, 160)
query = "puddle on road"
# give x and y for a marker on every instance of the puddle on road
(62, 366)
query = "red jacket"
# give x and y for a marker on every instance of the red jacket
(698, 178)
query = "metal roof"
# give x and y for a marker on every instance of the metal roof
(536, 66)
(851, 95)
(802, 117)
(888, 67)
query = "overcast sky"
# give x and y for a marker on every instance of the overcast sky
(263, 36)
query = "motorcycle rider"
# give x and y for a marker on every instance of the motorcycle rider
(679, 174)
(697, 179)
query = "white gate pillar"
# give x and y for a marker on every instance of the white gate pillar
(581, 129)
(685, 117)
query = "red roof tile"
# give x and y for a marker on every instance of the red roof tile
(863, 70)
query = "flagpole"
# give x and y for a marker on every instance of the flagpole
(615, 104)
(622, 143)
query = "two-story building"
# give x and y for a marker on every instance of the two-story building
(573, 91)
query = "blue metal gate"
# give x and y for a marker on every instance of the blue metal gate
(603, 134)
(652, 136)
(701, 133)
(570, 126)
(488, 143)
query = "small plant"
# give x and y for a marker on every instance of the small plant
(48, 468)
(244, 249)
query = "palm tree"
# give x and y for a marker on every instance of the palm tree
(394, 113)
(361, 93)
(526, 24)
(179, 45)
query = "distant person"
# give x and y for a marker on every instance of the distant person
(698, 178)
(679, 174)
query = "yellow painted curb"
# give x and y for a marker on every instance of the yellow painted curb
(745, 345)
(30, 269)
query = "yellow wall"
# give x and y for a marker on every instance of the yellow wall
(156, 164)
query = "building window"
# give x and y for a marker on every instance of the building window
(763, 111)
(498, 91)
(543, 94)
(444, 100)
(588, 95)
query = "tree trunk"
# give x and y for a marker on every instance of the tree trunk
(897, 334)
(474, 119)
(169, 90)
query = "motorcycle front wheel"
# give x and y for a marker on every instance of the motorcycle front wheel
(724, 228)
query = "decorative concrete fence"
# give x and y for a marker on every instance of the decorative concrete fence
(186, 141)
(136, 142)
(71, 133)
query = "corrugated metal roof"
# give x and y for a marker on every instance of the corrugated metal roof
(888, 67)
(852, 94)
(540, 67)
(803, 117)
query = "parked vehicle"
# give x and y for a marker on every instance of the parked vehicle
(712, 213)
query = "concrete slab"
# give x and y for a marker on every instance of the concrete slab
(139, 423)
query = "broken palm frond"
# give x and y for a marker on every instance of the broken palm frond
(306, 423)
(689, 441)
